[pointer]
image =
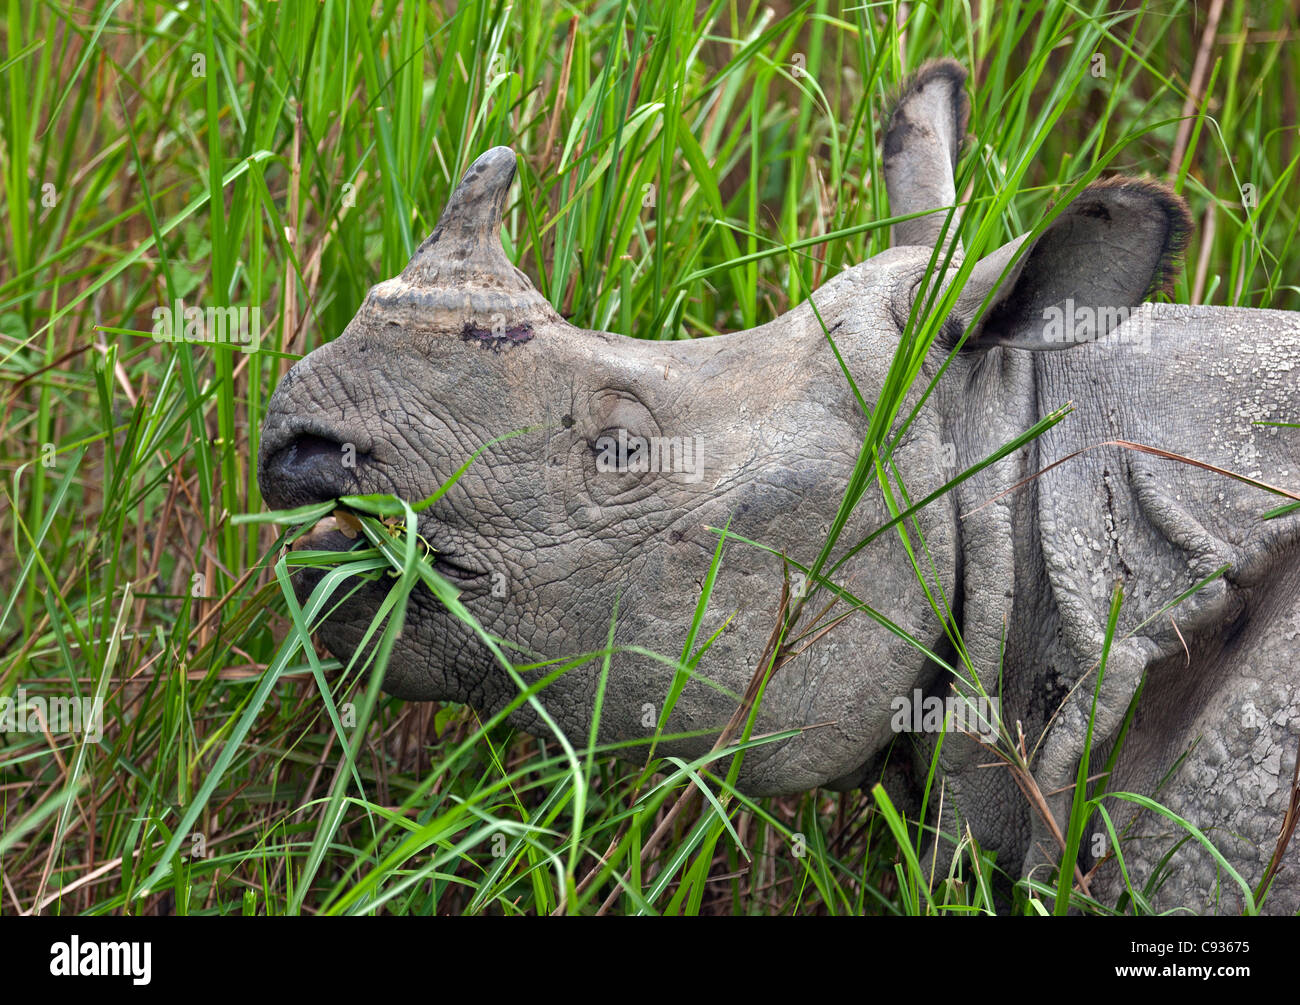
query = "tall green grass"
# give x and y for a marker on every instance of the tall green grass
(684, 170)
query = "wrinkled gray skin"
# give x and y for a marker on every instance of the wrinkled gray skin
(461, 349)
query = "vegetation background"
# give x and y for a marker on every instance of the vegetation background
(685, 169)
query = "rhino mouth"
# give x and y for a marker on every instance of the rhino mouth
(302, 467)
(340, 531)
(326, 534)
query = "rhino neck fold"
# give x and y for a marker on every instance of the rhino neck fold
(1158, 526)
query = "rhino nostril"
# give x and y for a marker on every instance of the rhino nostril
(310, 468)
(306, 448)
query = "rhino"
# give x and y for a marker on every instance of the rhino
(632, 456)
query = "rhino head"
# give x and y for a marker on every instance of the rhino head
(606, 509)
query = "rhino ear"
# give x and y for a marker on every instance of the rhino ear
(1119, 242)
(922, 145)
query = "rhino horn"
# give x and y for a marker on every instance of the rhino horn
(459, 278)
(922, 144)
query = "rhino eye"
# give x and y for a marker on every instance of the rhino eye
(620, 451)
(626, 429)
